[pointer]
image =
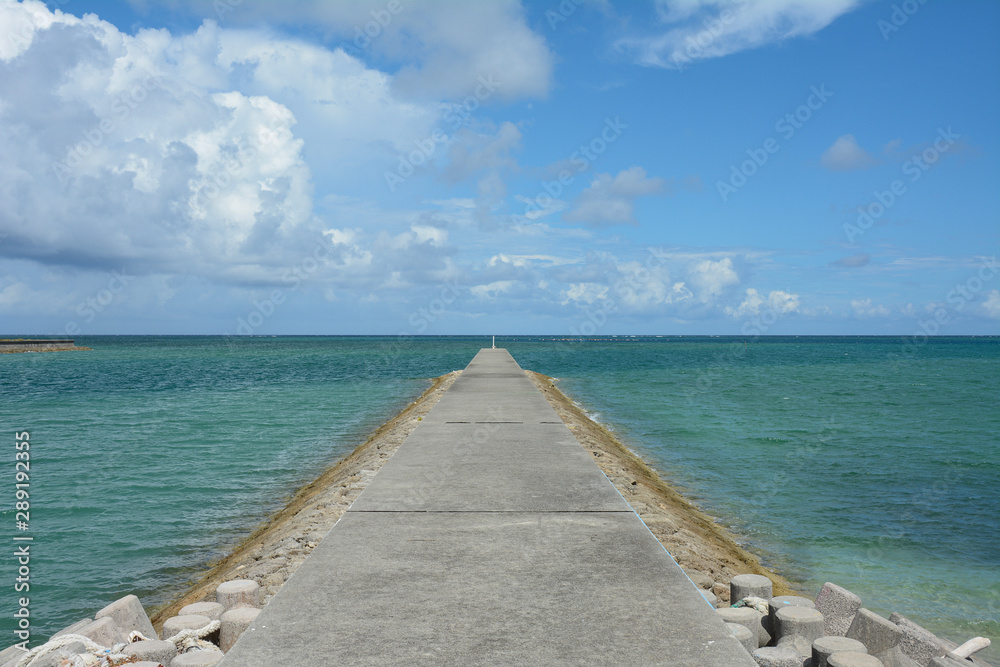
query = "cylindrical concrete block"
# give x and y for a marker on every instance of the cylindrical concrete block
(212, 610)
(234, 622)
(771, 656)
(791, 601)
(155, 651)
(824, 647)
(745, 616)
(776, 603)
(749, 585)
(238, 593)
(780, 602)
(188, 622)
(197, 659)
(798, 621)
(853, 659)
(743, 636)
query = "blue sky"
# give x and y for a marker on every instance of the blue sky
(578, 168)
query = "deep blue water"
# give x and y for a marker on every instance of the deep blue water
(864, 461)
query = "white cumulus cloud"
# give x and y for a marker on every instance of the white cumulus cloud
(445, 49)
(185, 154)
(846, 155)
(865, 309)
(610, 200)
(754, 303)
(712, 278)
(584, 293)
(491, 291)
(992, 305)
(700, 29)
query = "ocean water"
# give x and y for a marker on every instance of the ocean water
(869, 462)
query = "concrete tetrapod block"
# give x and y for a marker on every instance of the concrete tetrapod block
(188, 622)
(58, 658)
(11, 653)
(773, 656)
(950, 646)
(765, 634)
(895, 657)
(103, 631)
(918, 644)
(838, 606)
(234, 622)
(238, 593)
(799, 644)
(853, 659)
(69, 630)
(749, 585)
(745, 616)
(156, 651)
(129, 616)
(198, 659)
(945, 661)
(212, 610)
(743, 636)
(824, 647)
(798, 622)
(878, 634)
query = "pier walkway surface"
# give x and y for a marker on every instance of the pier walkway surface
(489, 538)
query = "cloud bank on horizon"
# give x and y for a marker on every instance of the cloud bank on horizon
(405, 167)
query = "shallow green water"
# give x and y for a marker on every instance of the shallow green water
(840, 459)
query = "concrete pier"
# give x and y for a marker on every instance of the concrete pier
(490, 537)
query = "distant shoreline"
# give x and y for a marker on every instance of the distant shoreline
(19, 345)
(707, 552)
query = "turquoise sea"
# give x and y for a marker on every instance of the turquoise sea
(872, 462)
